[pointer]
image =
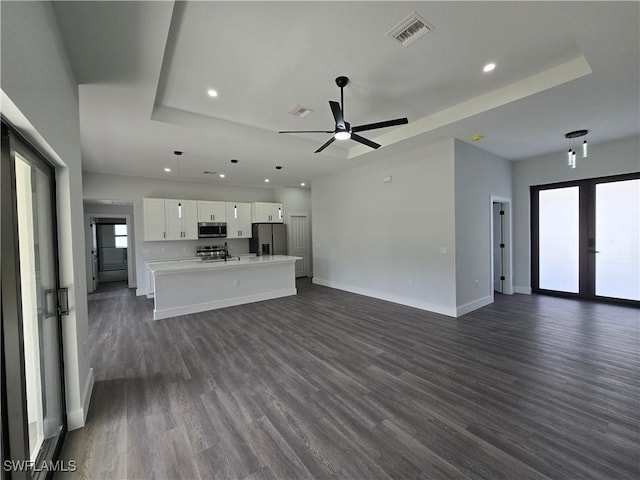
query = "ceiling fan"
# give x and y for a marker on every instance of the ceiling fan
(343, 130)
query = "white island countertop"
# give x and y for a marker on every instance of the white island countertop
(184, 287)
(174, 267)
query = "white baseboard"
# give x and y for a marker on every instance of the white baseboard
(471, 306)
(409, 302)
(159, 314)
(523, 290)
(77, 418)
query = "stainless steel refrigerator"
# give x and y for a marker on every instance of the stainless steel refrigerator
(268, 239)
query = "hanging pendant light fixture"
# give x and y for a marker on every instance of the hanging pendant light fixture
(571, 154)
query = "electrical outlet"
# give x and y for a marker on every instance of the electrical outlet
(236, 283)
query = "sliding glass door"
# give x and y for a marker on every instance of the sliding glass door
(586, 238)
(617, 239)
(31, 328)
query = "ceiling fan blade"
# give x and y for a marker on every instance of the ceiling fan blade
(306, 131)
(364, 141)
(331, 140)
(373, 126)
(337, 115)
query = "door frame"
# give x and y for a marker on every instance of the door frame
(586, 231)
(88, 216)
(15, 441)
(507, 266)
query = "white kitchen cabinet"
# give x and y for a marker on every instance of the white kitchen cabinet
(238, 220)
(154, 219)
(212, 211)
(262, 212)
(181, 218)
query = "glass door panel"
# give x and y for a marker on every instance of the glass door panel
(40, 325)
(559, 239)
(617, 239)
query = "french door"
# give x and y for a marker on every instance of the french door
(585, 238)
(33, 409)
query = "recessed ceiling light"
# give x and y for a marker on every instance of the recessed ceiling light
(489, 67)
(167, 169)
(266, 180)
(222, 175)
(212, 93)
(302, 184)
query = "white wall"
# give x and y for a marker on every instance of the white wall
(134, 189)
(384, 239)
(612, 158)
(40, 97)
(478, 176)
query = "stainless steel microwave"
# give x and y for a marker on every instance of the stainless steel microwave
(212, 229)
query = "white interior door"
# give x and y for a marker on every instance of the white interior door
(497, 250)
(94, 256)
(299, 232)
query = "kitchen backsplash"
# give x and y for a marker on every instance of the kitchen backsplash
(154, 251)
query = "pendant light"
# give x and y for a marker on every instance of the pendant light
(571, 154)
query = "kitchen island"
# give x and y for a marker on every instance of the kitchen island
(181, 288)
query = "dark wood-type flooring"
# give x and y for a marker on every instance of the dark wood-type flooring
(328, 384)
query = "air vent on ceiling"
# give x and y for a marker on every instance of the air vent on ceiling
(209, 172)
(299, 111)
(410, 29)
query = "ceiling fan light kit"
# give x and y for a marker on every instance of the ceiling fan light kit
(343, 130)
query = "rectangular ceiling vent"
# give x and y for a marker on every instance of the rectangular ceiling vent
(299, 111)
(410, 29)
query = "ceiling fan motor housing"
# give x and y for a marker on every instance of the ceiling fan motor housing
(342, 81)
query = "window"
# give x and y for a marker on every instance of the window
(120, 236)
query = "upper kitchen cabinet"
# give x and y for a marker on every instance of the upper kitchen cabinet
(182, 219)
(267, 212)
(238, 220)
(170, 219)
(155, 227)
(212, 211)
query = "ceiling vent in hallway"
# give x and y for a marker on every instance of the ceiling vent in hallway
(299, 111)
(410, 29)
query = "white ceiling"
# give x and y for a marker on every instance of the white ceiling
(144, 69)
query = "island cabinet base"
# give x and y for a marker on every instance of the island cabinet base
(182, 293)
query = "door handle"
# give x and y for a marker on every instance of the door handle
(63, 301)
(56, 301)
(50, 307)
(594, 251)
